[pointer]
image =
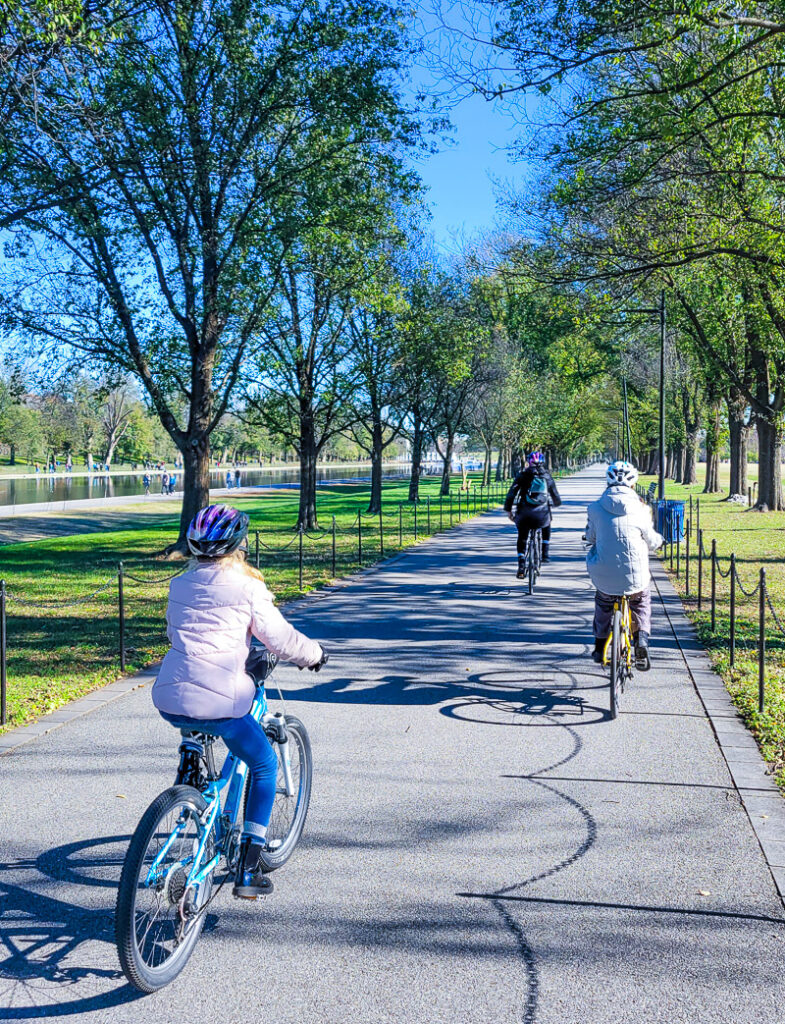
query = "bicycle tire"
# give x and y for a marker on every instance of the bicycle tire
(141, 974)
(272, 859)
(531, 564)
(617, 667)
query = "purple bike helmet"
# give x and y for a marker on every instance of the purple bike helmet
(536, 458)
(217, 530)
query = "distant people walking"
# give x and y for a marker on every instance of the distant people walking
(237, 478)
(165, 483)
(229, 478)
(146, 482)
(69, 465)
(172, 482)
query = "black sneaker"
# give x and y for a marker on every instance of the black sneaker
(521, 573)
(642, 659)
(546, 555)
(596, 656)
(251, 882)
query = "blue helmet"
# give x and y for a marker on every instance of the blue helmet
(217, 530)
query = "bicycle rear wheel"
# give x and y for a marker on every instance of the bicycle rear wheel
(289, 812)
(156, 923)
(617, 664)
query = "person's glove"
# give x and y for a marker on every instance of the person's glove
(322, 661)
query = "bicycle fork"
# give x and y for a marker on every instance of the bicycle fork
(275, 727)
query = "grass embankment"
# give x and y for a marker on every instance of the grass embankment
(59, 650)
(757, 539)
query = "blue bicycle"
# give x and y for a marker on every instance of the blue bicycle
(170, 873)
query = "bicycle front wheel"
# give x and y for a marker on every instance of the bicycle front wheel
(289, 812)
(157, 922)
(617, 663)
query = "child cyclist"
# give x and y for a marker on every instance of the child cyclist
(533, 493)
(214, 610)
(621, 535)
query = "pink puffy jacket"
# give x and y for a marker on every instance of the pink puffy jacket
(212, 615)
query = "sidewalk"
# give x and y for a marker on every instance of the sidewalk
(484, 844)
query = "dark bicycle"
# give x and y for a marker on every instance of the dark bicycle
(533, 557)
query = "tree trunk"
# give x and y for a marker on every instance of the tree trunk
(770, 439)
(486, 469)
(739, 443)
(377, 451)
(414, 479)
(196, 486)
(516, 462)
(499, 461)
(446, 468)
(12, 454)
(712, 481)
(690, 472)
(306, 518)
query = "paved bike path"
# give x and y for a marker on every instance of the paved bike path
(483, 843)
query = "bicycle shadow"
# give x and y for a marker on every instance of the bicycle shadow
(54, 960)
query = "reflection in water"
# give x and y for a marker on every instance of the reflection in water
(65, 487)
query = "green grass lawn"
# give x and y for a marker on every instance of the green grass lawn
(758, 540)
(63, 639)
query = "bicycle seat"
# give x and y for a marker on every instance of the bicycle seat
(260, 663)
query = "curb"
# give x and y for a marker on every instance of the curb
(15, 738)
(757, 791)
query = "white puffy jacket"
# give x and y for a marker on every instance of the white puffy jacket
(212, 614)
(621, 534)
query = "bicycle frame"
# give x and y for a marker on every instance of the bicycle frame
(626, 622)
(215, 821)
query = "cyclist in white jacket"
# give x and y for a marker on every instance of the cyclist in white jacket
(621, 535)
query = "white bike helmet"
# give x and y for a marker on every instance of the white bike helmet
(620, 472)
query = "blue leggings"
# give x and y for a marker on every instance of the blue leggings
(247, 740)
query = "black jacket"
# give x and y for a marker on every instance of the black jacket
(520, 489)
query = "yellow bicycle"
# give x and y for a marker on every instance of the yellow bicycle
(619, 651)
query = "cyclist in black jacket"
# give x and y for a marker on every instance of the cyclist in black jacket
(528, 504)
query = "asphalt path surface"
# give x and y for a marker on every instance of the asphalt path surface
(483, 844)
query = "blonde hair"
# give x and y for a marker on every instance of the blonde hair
(234, 560)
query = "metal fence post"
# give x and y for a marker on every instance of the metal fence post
(333, 545)
(713, 584)
(687, 559)
(300, 556)
(732, 609)
(381, 532)
(415, 520)
(3, 655)
(359, 538)
(441, 511)
(762, 642)
(451, 508)
(698, 513)
(428, 510)
(690, 511)
(400, 524)
(121, 614)
(700, 567)
(678, 554)
(256, 545)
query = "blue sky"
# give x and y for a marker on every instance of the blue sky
(460, 177)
